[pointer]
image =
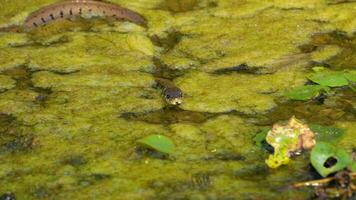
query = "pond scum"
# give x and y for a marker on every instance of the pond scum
(77, 95)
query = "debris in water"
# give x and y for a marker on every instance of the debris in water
(288, 141)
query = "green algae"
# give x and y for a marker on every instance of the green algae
(206, 42)
(6, 83)
(18, 101)
(325, 53)
(234, 92)
(347, 141)
(114, 51)
(216, 48)
(51, 80)
(84, 76)
(13, 40)
(228, 133)
(180, 5)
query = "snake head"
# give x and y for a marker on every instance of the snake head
(173, 96)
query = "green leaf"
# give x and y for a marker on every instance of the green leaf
(158, 143)
(305, 92)
(327, 133)
(261, 136)
(323, 153)
(331, 79)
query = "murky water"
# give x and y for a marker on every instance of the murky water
(76, 95)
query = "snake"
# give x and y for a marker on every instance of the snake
(171, 93)
(69, 9)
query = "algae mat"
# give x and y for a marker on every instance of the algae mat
(75, 96)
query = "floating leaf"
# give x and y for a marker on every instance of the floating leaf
(158, 143)
(261, 136)
(331, 79)
(327, 159)
(326, 133)
(287, 141)
(306, 92)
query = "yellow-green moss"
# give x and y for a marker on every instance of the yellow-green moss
(348, 141)
(258, 36)
(236, 92)
(89, 82)
(325, 53)
(14, 102)
(86, 51)
(99, 80)
(6, 83)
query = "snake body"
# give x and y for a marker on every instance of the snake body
(75, 8)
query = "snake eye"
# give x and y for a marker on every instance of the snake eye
(168, 96)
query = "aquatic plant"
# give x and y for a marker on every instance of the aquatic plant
(327, 159)
(324, 80)
(306, 92)
(158, 143)
(338, 169)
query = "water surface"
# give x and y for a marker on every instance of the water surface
(75, 96)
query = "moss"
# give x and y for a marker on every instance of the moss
(348, 140)
(187, 132)
(18, 10)
(303, 4)
(6, 83)
(11, 59)
(141, 43)
(233, 92)
(228, 133)
(84, 75)
(247, 40)
(238, 9)
(125, 79)
(325, 53)
(109, 50)
(14, 102)
(13, 40)
(259, 35)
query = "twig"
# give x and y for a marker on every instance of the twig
(320, 182)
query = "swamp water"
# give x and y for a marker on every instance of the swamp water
(75, 96)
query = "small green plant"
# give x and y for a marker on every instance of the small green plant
(286, 139)
(159, 143)
(327, 159)
(260, 137)
(306, 92)
(330, 79)
(325, 80)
